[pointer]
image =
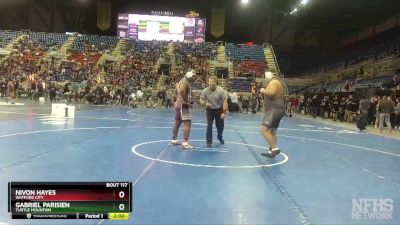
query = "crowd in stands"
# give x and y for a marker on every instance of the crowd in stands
(193, 56)
(25, 74)
(6, 36)
(48, 41)
(390, 48)
(34, 77)
(386, 82)
(247, 59)
(95, 43)
(76, 77)
(345, 108)
(253, 68)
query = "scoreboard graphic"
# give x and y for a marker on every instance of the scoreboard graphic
(161, 28)
(70, 200)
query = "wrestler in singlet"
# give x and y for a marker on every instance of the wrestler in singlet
(182, 109)
(274, 108)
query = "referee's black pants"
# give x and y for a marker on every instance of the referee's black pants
(219, 123)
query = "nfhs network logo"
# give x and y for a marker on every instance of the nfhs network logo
(372, 208)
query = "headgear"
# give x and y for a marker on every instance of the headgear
(190, 74)
(269, 75)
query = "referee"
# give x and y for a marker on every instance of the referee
(214, 98)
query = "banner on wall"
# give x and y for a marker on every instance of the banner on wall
(104, 14)
(218, 22)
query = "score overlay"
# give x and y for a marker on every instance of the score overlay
(70, 200)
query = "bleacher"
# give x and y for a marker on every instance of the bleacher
(6, 36)
(368, 66)
(247, 59)
(138, 59)
(194, 56)
(83, 59)
(208, 50)
(153, 49)
(145, 45)
(316, 88)
(240, 85)
(391, 47)
(197, 86)
(142, 56)
(95, 42)
(248, 66)
(244, 52)
(375, 82)
(184, 49)
(48, 41)
(338, 86)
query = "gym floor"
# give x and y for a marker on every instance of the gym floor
(323, 170)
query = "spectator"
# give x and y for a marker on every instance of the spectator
(396, 80)
(288, 106)
(377, 105)
(397, 114)
(170, 98)
(334, 108)
(254, 104)
(314, 104)
(161, 95)
(295, 105)
(302, 105)
(351, 109)
(372, 111)
(3, 87)
(234, 102)
(151, 103)
(259, 102)
(363, 109)
(240, 103)
(392, 114)
(52, 93)
(245, 104)
(11, 90)
(385, 109)
(325, 107)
